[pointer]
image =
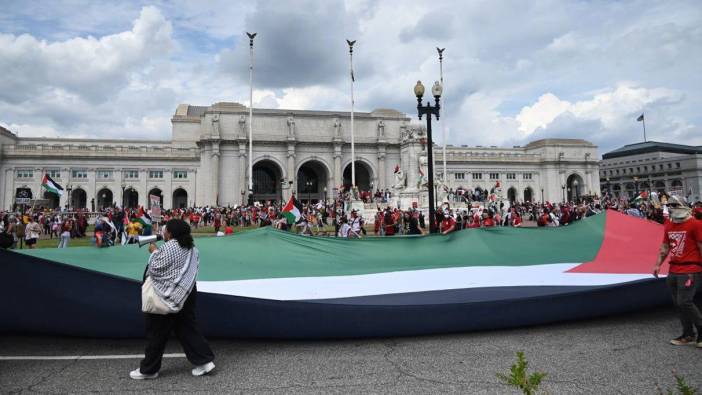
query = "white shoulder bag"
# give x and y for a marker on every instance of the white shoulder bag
(152, 303)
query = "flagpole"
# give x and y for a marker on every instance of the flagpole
(353, 148)
(443, 124)
(251, 51)
(643, 120)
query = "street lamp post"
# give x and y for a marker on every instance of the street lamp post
(607, 186)
(428, 110)
(308, 184)
(636, 185)
(325, 196)
(563, 189)
(576, 191)
(251, 66)
(542, 196)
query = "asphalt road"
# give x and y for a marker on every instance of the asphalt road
(627, 354)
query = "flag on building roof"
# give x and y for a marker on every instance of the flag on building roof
(640, 118)
(292, 211)
(52, 186)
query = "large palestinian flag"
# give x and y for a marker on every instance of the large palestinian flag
(273, 284)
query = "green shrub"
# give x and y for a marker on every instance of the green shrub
(518, 377)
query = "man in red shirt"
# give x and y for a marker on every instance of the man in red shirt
(448, 223)
(682, 239)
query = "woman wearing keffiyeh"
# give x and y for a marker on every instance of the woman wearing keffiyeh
(173, 269)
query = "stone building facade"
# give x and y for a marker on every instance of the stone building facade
(308, 152)
(653, 166)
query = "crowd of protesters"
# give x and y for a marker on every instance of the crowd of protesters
(334, 218)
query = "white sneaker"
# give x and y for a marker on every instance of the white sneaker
(203, 369)
(137, 375)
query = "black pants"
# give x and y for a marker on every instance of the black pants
(683, 298)
(159, 328)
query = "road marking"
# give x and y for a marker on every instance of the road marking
(79, 357)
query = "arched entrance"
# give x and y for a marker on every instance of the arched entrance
(52, 198)
(79, 199)
(104, 199)
(617, 190)
(478, 194)
(180, 198)
(630, 190)
(267, 177)
(512, 194)
(363, 177)
(130, 198)
(528, 194)
(574, 185)
(312, 181)
(156, 192)
(660, 186)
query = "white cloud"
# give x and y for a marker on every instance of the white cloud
(543, 112)
(92, 68)
(543, 69)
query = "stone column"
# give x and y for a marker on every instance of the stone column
(9, 188)
(38, 176)
(214, 172)
(381, 181)
(337, 165)
(381, 169)
(292, 176)
(144, 186)
(167, 202)
(120, 182)
(92, 189)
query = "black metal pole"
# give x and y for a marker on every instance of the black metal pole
(430, 165)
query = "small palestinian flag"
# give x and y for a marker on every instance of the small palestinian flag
(643, 196)
(52, 186)
(143, 217)
(292, 210)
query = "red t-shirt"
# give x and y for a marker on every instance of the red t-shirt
(488, 222)
(516, 221)
(447, 223)
(684, 252)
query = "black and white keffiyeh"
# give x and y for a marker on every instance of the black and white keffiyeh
(173, 270)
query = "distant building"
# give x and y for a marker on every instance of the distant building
(308, 152)
(655, 166)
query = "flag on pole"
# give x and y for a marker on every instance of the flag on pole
(52, 186)
(293, 210)
(640, 118)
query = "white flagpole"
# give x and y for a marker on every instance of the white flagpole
(443, 124)
(353, 148)
(251, 38)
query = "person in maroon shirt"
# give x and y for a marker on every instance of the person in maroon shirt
(682, 240)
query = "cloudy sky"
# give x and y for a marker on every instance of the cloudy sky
(514, 71)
